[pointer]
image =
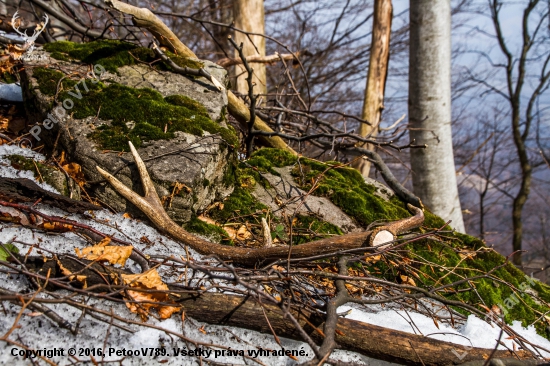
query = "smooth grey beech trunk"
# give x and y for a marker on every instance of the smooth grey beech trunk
(434, 177)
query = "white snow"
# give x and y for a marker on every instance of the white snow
(7, 171)
(475, 332)
(174, 336)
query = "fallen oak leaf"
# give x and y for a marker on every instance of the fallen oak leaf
(111, 254)
(142, 302)
(75, 171)
(72, 277)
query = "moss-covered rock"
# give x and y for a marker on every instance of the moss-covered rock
(152, 117)
(434, 262)
(113, 54)
(172, 119)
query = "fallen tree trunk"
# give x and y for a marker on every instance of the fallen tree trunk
(247, 312)
(367, 339)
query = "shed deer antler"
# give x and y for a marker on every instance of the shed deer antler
(151, 206)
(29, 40)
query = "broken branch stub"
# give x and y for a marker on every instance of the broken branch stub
(151, 206)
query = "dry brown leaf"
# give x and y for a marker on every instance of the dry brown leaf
(149, 280)
(71, 276)
(111, 254)
(75, 171)
(407, 280)
(467, 254)
(56, 226)
(374, 259)
(4, 123)
(206, 219)
(104, 242)
(243, 233)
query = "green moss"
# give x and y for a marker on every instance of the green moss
(435, 262)
(213, 232)
(112, 54)
(153, 116)
(22, 163)
(48, 79)
(150, 112)
(184, 61)
(7, 77)
(223, 115)
(267, 158)
(239, 203)
(189, 103)
(346, 188)
(308, 228)
(487, 291)
(40, 171)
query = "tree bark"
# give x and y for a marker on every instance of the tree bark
(377, 75)
(249, 16)
(370, 340)
(434, 176)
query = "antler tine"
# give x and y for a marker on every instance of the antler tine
(16, 29)
(123, 190)
(39, 29)
(150, 203)
(146, 182)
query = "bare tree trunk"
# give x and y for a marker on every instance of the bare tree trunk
(376, 79)
(249, 16)
(434, 176)
(525, 187)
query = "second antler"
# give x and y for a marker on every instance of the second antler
(151, 206)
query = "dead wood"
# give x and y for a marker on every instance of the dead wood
(271, 59)
(25, 190)
(143, 17)
(373, 104)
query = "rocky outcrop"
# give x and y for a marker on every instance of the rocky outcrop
(188, 167)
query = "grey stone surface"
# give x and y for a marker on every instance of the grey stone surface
(285, 197)
(199, 162)
(382, 190)
(167, 83)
